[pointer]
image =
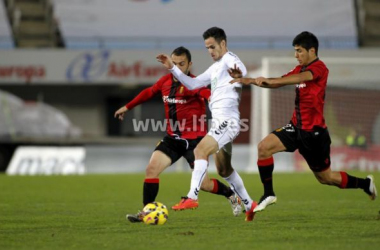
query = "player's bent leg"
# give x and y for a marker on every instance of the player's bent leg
(269, 146)
(266, 149)
(223, 165)
(346, 181)
(225, 169)
(223, 161)
(214, 186)
(205, 147)
(208, 184)
(328, 177)
(158, 163)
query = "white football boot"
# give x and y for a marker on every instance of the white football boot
(372, 192)
(264, 202)
(235, 204)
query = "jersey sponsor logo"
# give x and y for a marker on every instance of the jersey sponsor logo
(301, 85)
(167, 99)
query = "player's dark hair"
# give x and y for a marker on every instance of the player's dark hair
(306, 40)
(217, 33)
(182, 50)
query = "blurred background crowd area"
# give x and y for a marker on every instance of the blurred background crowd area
(67, 66)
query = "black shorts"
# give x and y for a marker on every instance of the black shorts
(175, 148)
(314, 145)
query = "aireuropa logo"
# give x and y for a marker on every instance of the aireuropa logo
(100, 66)
(22, 72)
(88, 66)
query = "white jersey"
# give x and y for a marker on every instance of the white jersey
(225, 97)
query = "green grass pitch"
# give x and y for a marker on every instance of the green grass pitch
(88, 212)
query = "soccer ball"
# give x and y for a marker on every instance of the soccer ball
(155, 213)
(155, 218)
(154, 206)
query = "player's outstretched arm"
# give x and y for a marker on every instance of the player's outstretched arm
(142, 97)
(191, 83)
(283, 81)
(119, 114)
(244, 81)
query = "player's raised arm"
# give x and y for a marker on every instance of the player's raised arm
(191, 83)
(165, 60)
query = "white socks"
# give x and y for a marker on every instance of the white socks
(200, 168)
(237, 186)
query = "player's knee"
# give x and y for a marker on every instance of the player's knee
(222, 172)
(152, 170)
(225, 172)
(199, 153)
(325, 180)
(263, 150)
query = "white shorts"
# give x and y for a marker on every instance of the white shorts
(224, 131)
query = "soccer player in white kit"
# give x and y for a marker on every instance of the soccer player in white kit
(224, 106)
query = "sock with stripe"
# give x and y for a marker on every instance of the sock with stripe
(349, 181)
(221, 189)
(266, 167)
(199, 172)
(150, 190)
(237, 185)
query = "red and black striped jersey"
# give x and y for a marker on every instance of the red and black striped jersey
(185, 110)
(310, 96)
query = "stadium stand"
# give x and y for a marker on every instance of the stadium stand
(368, 22)
(6, 40)
(33, 23)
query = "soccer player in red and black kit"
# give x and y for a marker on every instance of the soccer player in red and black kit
(185, 113)
(307, 130)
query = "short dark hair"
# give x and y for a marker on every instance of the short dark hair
(306, 40)
(182, 50)
(217, 33)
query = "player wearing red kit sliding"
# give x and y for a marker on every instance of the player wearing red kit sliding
(185, 113)
(307, 130)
